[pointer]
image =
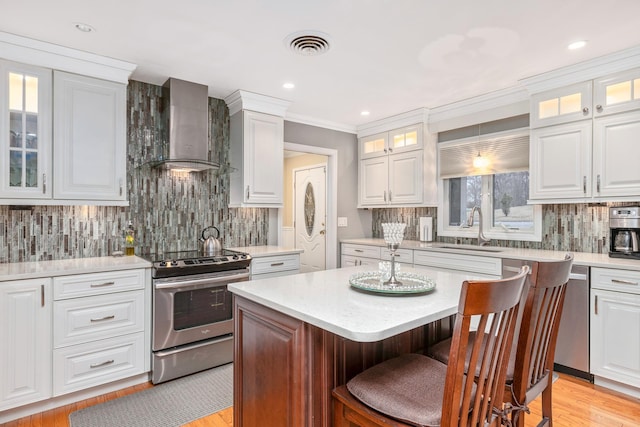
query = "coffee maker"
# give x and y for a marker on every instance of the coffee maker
(624, 227)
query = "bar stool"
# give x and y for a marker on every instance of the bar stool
(530, 370)
(415, 390)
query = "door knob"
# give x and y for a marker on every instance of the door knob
(322, 232)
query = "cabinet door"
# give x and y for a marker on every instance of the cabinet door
(560, 161)
(617, 93)
(405, 178)
(374, 145)
(25, 334)
(405, 139)
(263, 158)
(25, 142)
(89, 138)
(374, 181)
(563, 105)
(615, 336)
(616, 150)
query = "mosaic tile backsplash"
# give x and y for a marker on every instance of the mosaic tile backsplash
(169, 210)
(565, 227)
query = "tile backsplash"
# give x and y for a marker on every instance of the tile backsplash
(169, 210)
(565, 227)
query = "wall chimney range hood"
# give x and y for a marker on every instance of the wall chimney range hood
(187, 107)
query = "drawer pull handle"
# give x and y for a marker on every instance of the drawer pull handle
(105, 363)
(358, 250)
(99, 285)
(218, 304)
(596, 304)
(104, 318)
(276, 264)
(624, 282)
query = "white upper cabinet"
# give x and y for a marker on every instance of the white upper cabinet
(560, 161)
(89, 149)
(617, 93)
(257, 154)
(616, 151)
(396, 141)
(397, 168)
(563, 105)
(577, 160)
(62, 125)
(25, 137)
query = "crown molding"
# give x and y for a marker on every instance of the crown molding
(420, 115)
(326, 124)
(587, 70)
(42, 54)
(244, 100)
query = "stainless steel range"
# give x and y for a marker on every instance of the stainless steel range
(193, 311)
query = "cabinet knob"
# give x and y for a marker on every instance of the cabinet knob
(585, 110)
(390, 149)
(599, 108)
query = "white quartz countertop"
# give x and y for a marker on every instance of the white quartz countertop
(262, 251)
(580, 258)
(326, 300)
(37, 269)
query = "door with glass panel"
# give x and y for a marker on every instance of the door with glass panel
(25, 131)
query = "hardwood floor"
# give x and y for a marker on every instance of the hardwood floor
(576, 403)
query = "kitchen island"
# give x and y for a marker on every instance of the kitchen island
(297, 337)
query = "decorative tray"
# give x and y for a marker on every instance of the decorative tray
(372, 281)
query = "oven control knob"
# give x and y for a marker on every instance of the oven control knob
(163, 264)
(173, 262)
(235, 257)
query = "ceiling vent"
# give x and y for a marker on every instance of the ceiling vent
(308, 43)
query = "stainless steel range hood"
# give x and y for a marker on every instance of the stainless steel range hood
(187, 105)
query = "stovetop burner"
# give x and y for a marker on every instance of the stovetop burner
(182, 263)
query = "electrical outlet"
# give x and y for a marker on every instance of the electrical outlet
(342, 221)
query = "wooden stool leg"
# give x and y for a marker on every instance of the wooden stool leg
(546, 405)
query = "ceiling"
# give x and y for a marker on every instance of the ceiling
(385, 56)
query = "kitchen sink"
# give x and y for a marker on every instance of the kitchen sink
(469, 248)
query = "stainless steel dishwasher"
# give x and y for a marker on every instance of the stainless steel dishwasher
(572, 347)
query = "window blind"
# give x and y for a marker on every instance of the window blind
(504, 152)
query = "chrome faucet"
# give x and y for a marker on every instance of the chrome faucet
(482, 240)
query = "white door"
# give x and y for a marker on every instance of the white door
(310, 217)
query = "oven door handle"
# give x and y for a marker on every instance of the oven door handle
(205, 280)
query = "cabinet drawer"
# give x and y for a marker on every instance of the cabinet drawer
(272, 264)
(615, 280)
(87, 365)
(404, 256)
(474, 264)
(93, 318)
(361, 250)
(97, 283)
(352, 261)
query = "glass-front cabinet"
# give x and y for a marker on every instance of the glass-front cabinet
(617, 93)
(25, 131)
(563, 105)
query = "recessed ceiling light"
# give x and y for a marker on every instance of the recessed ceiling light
(364, 113)
(288, 85)
(577, 44)
(85, 28)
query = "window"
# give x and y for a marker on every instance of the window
(498, 184)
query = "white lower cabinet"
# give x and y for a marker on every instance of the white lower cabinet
(25, 342)
(615, 327)
(99, 322)
(457, 261)
(356, 255)
(97, 362)
(264, 267)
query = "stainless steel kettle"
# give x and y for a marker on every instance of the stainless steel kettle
(211, 245)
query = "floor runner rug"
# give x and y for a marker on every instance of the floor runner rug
(173, 403)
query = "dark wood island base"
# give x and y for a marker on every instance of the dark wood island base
(285, 369)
